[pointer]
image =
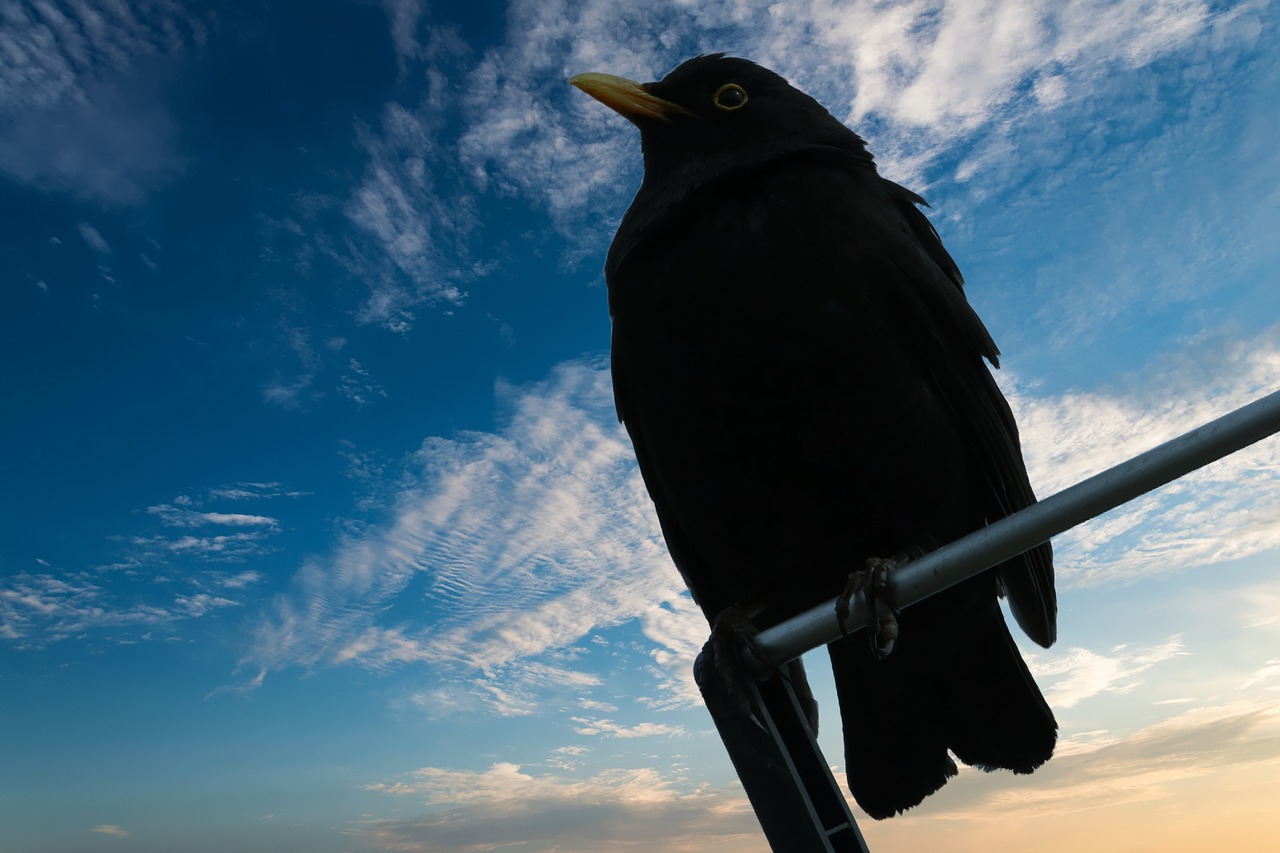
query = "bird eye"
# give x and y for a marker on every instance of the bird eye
(730, 97)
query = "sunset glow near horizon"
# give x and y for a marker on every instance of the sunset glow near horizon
(319, 531)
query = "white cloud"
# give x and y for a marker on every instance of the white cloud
(1258, 606)
(1150, 764)
(77, 114)
(419, 229)
(928, 73)
(358, 386)
(951, 66)
(1080, 674)
(173, 516)
(504, 783)
(251, 491)
(523, 542)
(224, 547)
(1227, 510)
(110, 829)
(593, 705)
(241, 580)
(202, 603)
(526, 541)
(405, 17)
(923, 79)
(93, 238)
(608, 728)
(1268, 674)
(506, 806)
(288, 389)
(37, 610)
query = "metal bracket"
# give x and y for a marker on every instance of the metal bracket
(795, 797)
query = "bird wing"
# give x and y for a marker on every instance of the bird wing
(881, 258)
(925, 285)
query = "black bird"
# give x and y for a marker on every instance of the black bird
(803, 380)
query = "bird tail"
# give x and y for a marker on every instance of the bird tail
(954, 682)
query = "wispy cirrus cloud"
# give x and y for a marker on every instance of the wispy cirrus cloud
(246, 491)
(186, 564)
(922, 76)
(290, 388)
(1226, 510)
(952, 66)
(1077, 674)
(1078, 792)
(110, 829)
(39, 609)
(529, 540)
(76, 111)
(410, 204)
(524, 542)
(506, 805)
(174, 516)
(1144, 766)
(205, 535)
(924, 80)
(603, 727)
(94, 239)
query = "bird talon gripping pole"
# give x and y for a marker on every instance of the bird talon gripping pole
(932, 573)
(1009, 536)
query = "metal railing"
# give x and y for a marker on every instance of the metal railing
(797, 801)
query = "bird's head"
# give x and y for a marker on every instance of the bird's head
(714, 111)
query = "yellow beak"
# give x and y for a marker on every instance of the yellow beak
(627, 97)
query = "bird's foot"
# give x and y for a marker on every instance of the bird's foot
(873, 581)
(731, 631)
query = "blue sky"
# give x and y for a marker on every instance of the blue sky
(318, 531)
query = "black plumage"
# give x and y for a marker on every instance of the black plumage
(804, 383)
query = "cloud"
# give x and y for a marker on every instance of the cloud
(241, 580)
(928, 82)
(523, 542)
(1258, 606)
(951, 67)
(109, 829)
(1227, 510)
(39, 609)
(409, 202)
(80, 108)
(1148, 765)
(94, 239)
(252, 491)
(288, 389)
(1080, 673)
(506, 807)
(220, 547)
(358, 386)
(405, 17)
(151, 583)
(192, 529)
(1097, 781)
(173, 516)
(608, 728)
(922, 76)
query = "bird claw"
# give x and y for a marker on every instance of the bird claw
(731, 631)
(872, 581)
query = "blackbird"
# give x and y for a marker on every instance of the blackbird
(804, 382)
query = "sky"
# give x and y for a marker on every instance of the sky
(318, 531)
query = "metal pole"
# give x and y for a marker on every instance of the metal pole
(1029, 527)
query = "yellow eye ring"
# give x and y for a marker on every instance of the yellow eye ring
(730, 97)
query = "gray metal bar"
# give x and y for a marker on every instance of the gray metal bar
(787, 779)
(1029, 527)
